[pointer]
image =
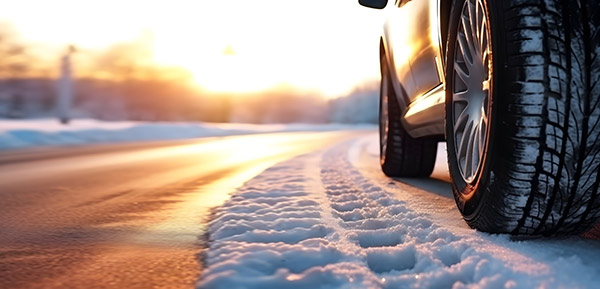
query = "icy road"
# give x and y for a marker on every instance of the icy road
(281, 210)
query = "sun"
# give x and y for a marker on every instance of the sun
(249, 46)
(220, 69)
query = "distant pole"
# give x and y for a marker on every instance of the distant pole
(65, 87)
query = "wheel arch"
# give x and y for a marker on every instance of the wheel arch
(445, 6)
(386, 55)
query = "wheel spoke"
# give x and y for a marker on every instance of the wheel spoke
(466, 42)
(461, 122)
(473, 27)
(464, 47)
(462, 72)
(481, 138)
(461, 148)
(469, 149)
(467, 25)
(462, 96)
(478, 22)
(482, 38)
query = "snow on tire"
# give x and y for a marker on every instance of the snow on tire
(539, 170)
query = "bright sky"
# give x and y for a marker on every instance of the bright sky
(230, 46)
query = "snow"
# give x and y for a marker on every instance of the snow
(49, 132)
(330, 219)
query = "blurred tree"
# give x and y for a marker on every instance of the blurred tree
(361, 105)
(14, 66)
(281, 104)
(147, 91)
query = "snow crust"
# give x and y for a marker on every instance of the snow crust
(49, 132)
(320, 221)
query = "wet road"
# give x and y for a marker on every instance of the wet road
(125, 216)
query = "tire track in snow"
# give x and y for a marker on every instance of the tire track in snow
(316, 222)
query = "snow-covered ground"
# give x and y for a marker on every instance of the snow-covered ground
(49, 132)
(330, 219)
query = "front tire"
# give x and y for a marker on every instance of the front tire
(523, 114)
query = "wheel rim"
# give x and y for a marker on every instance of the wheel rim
(384, 120)
(471, 89)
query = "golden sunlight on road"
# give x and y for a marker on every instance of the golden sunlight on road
(243, 159)
(126, 216)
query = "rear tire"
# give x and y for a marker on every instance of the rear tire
(400, 154)
(538, 171)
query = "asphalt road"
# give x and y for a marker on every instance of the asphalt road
(125, 216)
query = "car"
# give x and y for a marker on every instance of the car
(513, 87)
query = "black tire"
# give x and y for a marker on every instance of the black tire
(400, 154)
(539, 172)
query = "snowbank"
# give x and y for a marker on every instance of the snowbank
(48, 132)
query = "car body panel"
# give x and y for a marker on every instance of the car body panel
(412, 46)
(397, 47)
(426, 115)
(426, 48)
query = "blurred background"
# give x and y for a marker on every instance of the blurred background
(263, 61)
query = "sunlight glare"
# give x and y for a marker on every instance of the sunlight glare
(330, 46)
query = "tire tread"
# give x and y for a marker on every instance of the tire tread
(549, 120)
(406, 156)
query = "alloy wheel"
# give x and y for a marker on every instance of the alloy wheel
(471, 89)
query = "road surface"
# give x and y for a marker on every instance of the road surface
(125, 216)
(133, 215)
